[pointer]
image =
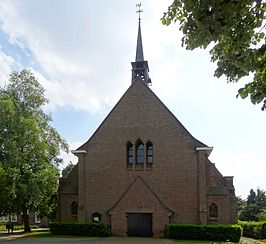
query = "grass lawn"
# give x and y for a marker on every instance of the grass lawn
(40, 233)
(47, 233)
(16, 227)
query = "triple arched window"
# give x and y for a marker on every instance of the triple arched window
(140, 153)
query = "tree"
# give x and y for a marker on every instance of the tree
(29, 149)
(241, 204)
(67, 169)
(236, 30)
(262, 215)
(254, 208)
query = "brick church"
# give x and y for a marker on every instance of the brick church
(142, 169)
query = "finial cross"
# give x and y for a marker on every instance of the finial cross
(138, 5)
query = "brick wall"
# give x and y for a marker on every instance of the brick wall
(139, 198)
(175, 176)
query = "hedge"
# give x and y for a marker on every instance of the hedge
(255, 230)
(204, 232)
(80, 229)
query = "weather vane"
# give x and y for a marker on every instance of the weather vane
(138, 5)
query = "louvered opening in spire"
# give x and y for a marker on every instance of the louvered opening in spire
(140, 68)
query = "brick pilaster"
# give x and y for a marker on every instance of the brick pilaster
(81, 188)
(202, 187)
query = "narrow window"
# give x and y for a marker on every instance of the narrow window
(129, 153)
(213, 210)
(149, 152)
(140, 153)
(74, 208)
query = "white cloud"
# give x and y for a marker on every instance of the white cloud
(69, 157)
(71, 80)
(78, 60)
(167, 75)
(67, 94)
(83, 51)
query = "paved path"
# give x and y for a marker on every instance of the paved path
(245, 240)
(20, 238)
(58, 240)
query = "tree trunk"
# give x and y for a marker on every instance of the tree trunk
(26, 221)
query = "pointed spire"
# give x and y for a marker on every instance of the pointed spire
(140, 68)
(139, 51)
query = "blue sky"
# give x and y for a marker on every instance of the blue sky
(81, 52)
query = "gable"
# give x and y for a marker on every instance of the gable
(139, 193)
(214, 177)
(138, 112)
(69, 185)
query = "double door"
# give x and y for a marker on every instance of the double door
(139, 224)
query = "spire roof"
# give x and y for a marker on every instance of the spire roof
(139, 51)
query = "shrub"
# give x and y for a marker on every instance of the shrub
(80, 229)
(255, 230)
(18, 227)
(204, 232)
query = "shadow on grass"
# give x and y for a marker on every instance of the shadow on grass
(40, 233)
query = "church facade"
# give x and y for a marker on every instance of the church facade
(142, 169)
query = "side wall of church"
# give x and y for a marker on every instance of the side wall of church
(220, 191)
(67, 194)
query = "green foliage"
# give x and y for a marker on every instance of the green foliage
(262, 215)
(16, 226)
(236, 32)
(29, 148)
(255, 230)
(80, 229)
(204, 232)
(67, 169)
(254, 208)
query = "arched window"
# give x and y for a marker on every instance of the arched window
(96, 217)
(149, 153)
(74, 208)
(213, 210)
(129, 153)
(139, 153)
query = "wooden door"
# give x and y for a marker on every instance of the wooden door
(139, 224)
